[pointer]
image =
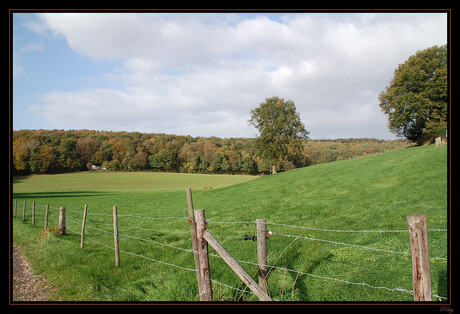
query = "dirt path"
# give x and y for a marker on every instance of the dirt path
(26, 286)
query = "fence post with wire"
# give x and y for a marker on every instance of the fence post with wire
(191, 221)
(421, 272)
(116, 240)
(62, 225)
(24, 211)
(205, 236)
(47, 210)
(205, 275)
(83, 225)
(262, 253)
(33, 213)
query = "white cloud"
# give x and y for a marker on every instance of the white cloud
(200, 74)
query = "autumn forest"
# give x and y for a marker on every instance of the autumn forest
(58, 151)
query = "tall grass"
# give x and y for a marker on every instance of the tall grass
(371, 193)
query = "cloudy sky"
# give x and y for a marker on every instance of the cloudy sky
(201, 74)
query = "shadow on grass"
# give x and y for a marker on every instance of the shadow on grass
(19, 179)
(442, 284)
(300, 285)
(300, 290)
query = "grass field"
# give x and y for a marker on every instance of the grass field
(124, 182)
(371, 193)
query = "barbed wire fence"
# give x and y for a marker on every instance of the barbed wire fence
(98, 233)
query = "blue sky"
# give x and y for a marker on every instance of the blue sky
(201, 74)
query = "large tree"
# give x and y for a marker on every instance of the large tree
(281, 130)
(416, 99)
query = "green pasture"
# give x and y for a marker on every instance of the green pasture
(370, 193)
(102, 181)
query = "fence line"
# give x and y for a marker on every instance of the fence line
(139, 228)
(153, 218)
(133, 237)
(158, 261)
(156, 242)
(99, 229)
(316, 229)
(330, 241)
(134, 254)
(341, 243)
(163, 262)
(120, 215)
(397, 289)
(352, 245)
(331, 278)
(339, 230)
(253, 222)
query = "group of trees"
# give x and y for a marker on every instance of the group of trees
(57, 151)
(43, 151)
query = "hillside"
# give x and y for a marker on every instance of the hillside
(388, 185)
(370, 193)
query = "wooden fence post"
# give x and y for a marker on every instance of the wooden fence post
(191, 221)
(206, 288)
(24, 211)
(233, 263)
(62, 227)
(83, 224)
(46, 216)
(16, 209)
(421, 273)
(115, 237)
(262, 253)
(33, 213)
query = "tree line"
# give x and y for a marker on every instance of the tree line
(59, 151)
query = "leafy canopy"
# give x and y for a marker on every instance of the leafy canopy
(281, 129)
(416, 99)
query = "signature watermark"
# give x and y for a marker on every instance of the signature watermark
(446, 309)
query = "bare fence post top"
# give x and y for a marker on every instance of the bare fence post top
(421, 272)
(62, 226)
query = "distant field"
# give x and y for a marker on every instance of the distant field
(124, 182)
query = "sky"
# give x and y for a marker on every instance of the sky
(200, 74)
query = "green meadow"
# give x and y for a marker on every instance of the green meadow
(304, 208)
(102, 181)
